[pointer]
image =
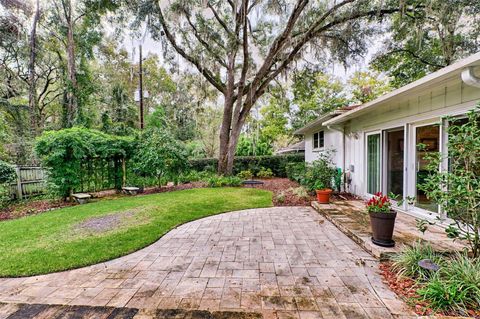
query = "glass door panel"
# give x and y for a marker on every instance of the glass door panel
(395, 150)
(373, 163)
(430, 137)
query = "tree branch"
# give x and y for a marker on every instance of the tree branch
(219, 85)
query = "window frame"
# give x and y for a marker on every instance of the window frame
(321, 145)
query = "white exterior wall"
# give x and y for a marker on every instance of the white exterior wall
(451, 97)
(333, 142)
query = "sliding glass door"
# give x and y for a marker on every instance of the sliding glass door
(373, 163)
(429, 137)
(395, 146)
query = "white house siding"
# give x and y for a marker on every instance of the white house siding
(333, 141)
(451, 97)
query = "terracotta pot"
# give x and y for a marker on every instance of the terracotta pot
(323, 195)
(382, 228)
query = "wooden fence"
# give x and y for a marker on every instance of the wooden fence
(31, 181)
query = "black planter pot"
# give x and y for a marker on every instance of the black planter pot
(382, 228)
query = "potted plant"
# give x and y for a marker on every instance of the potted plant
(382, 219)
(323, 192)
(319, 177)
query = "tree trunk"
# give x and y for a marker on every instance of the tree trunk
(225, 136)
(32, 81)
(71, 69)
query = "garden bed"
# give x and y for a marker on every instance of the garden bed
(406, 288)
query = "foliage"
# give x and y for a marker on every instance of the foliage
(277, 163)
(457, 190)
(433, 36)
(58, 240)
(406, 262)
(379, 203)
(300, 192)
(296, 171)
(280, 197)
(316, 93)
(247, 174)
(252, 146)
(7, 175)
(367, 86)
(160, 155)
(265, 173)
(72, 155)
(455, 287)
(7, 172)
(319, 174)
(223, 181)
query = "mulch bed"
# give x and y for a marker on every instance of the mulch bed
(406, 288)
(285, 187)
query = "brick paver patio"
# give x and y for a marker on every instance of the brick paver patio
(279, 262)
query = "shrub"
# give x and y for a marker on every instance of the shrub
(277, 163)
(7, 176)
(265, 173)
(456, 189)
(160, 156)
(300, 192)
(319, 174)
(281, 197)
(455, 287)
(245, 174)
(223, 181)
(296, 171)
(194, 176)
(406, 262)
(7, 173)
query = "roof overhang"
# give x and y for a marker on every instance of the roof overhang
(318, 122)
(416, 87)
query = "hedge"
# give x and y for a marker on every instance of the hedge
(277, 163)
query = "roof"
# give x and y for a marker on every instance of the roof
(297, 147)
(412, 88)
(325, 117)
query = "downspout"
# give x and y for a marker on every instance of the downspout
(469, 77)
(344, 168)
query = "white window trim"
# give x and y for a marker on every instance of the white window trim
(318, 149)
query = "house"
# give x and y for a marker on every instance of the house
(375, 143)
(295, 148)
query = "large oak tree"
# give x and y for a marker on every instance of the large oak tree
(241, 46)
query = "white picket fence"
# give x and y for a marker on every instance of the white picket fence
(31, 181)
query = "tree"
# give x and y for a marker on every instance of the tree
(430, 38)
(367, 86)
(316, 93)
(240, 52)
(456, 188)
(67, 18)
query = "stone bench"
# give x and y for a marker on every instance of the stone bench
(130, 190)
(252, 183)
(82, 198)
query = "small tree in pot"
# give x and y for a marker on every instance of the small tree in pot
(382, 219)
(319, 177)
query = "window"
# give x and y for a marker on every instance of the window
(318, 140)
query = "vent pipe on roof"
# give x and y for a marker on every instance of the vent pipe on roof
(469, 77)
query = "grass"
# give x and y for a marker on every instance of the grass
(68, 238)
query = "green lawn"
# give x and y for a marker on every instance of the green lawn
(87, 234)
